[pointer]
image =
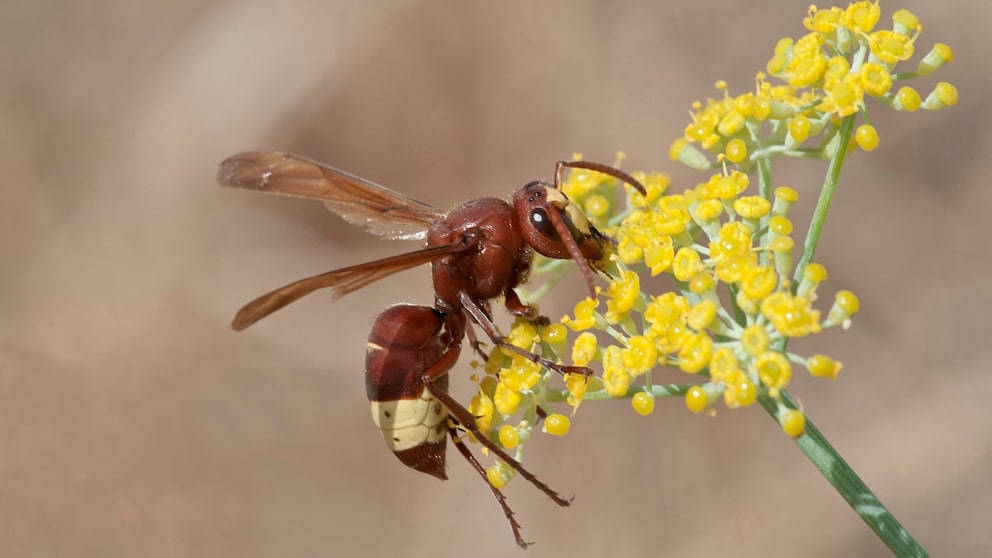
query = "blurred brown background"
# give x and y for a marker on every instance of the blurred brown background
(133, 422)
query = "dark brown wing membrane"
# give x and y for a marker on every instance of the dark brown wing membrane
(380, 210)
(342, 281)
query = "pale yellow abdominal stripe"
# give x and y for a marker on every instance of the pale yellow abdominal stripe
(407, 423)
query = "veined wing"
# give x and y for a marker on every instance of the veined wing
(342, 281)
(381, 211)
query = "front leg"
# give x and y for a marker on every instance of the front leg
(473, 340)
(516, 307)
(479, 316)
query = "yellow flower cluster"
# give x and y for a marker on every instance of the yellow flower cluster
(710, 235)
(735, 295)
(825, 75)
(707, 239)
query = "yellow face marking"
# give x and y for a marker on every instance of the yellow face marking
(571, 210)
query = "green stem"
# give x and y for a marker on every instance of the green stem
(826, 196)
(765, 191)
(905, 75)
(668, 390)
(847, 483)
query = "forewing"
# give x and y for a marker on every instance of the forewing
(341, 281)
(381, 211)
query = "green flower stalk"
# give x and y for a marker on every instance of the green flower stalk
(742, 285)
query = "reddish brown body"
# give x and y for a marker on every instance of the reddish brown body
(407, 361)
(491, 226)
(406, 343)
(479, 251)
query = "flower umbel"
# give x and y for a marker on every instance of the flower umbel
(740, 293)
(830, 72)
(741, 285)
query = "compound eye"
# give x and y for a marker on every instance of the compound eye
(539, 218)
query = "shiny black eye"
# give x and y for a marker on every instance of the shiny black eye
(539, 218)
